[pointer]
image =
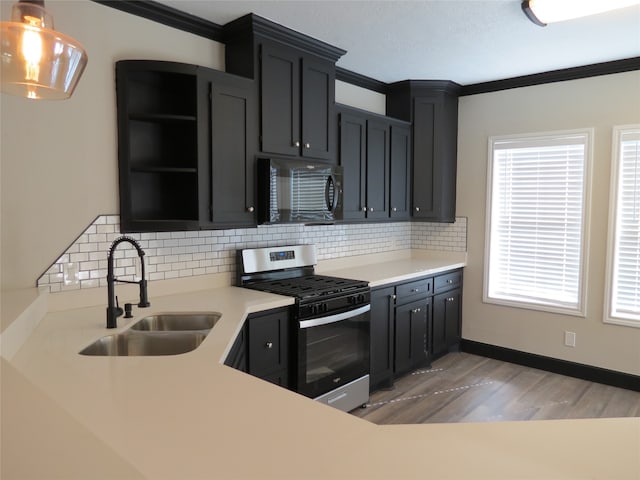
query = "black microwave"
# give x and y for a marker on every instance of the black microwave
(298, 191)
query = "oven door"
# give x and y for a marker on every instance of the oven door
(332, 351)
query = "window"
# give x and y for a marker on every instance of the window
(623, 282)
(536, 222)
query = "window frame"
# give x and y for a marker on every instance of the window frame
(608, 315)
(580, 309)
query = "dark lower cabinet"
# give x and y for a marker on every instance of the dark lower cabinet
(268, 346)
(447, 309)
(413, 323)
(411, 335)
(262, 347)
(382, 335)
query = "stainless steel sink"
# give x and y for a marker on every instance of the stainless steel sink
(177, 322)
(136, 343)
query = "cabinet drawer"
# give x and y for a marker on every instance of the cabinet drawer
(417, 288)
(448, 281)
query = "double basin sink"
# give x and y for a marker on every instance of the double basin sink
(159, 334)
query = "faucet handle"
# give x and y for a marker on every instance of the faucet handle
(118, 309)
(127, 310)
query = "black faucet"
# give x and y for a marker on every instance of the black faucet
(113, 309)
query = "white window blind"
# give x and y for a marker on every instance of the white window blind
(624, 261)
(536, 219)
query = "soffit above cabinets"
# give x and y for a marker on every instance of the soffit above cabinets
(466, 41)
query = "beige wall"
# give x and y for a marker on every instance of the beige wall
(59, 159)
(598, 102)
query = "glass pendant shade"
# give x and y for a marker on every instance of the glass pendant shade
(36, 61)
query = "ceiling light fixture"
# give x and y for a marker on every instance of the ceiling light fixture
(36, 61)
(542, 12)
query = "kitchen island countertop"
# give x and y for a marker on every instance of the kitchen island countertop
(188, 416)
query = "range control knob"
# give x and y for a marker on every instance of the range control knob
(361, 298)
(324, 307)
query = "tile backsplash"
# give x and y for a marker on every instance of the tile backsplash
(184, 254)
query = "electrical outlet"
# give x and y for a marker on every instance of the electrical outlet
(570, 339)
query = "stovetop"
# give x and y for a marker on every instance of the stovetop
(310, 287)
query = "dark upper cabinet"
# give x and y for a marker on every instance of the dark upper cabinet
(297, 99)
(296, 77)
(400, 169)
(432, 107)
(374, 153)
(377, 173)
(228, 144)
(186, 147)
(158, 159)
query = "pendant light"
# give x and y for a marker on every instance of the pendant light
(36, 61)
(542, 12)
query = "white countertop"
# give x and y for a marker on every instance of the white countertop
(190, 417)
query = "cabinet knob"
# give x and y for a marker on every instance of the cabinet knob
(449, 280)
(417, 209)
(250, 209)
(296, 144)
(364, 209)
(450, 299)
(415, 290)
(269, 345)
(416, 310)
(394, 209)
(393, 297)
(307, 145)
(371, 209)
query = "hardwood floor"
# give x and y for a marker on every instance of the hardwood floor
(461, 387)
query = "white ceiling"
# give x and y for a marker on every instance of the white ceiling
(467, 41)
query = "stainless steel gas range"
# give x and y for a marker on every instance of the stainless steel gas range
(330, 332)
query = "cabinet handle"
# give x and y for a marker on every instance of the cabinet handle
(307, 145)
(269, 345)
(250, 209)
(296, 144)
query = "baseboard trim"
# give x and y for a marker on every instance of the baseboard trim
(555, 365)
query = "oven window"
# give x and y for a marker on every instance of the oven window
(336, 353)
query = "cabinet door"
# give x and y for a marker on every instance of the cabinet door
(232, 146)
(318, 94)
(377, 169)
(280, 100)
(268, 344)
(446, 321)
(411, 342)
(381, 353)
(353, 158)
(435, 126)
(400, 160)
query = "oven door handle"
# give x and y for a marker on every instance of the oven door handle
(316, 322)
